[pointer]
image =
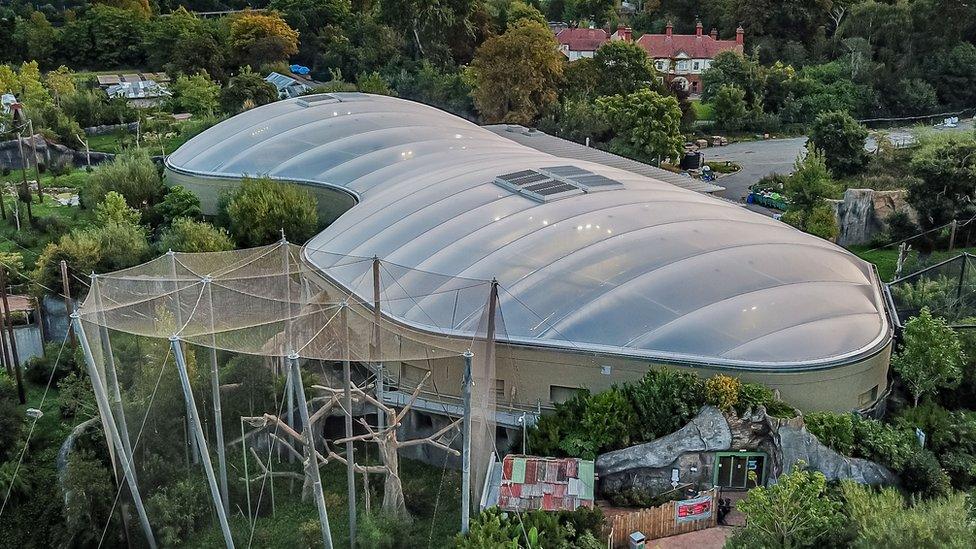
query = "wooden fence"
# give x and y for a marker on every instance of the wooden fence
(658, 522)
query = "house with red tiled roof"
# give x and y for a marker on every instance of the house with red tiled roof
(682, 58)
(577, 43)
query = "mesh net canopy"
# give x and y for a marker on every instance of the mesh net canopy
(240, 324)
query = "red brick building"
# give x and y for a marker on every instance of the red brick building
(682, 58)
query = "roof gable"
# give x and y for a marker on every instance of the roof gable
(582, 39)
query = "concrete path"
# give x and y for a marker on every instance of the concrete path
(709, 538)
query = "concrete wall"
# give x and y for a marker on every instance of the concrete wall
(331, 203)
(29, 342)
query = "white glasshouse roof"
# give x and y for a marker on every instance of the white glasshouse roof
(588, 256)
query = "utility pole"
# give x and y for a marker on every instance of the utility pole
(10, 331)
(68, 308)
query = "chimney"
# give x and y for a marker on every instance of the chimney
(698, 29)
(740, 35)
(714, 34)
(668, 29)
(624, 33)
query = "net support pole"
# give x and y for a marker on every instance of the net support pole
(178, 314)
(466, 445)
(299, 388)
(218, 413)
(105, 410)
(110, 373)
(377, 339)
(201, 441)
(290, 397)
(347, 404)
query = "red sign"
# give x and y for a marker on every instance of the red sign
(693, 509)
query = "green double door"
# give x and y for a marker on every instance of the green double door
(732, 471)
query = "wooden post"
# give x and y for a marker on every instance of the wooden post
(37, 171)
(10, 331)
(952, 234)
(68, 308)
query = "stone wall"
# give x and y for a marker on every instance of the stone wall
(861, 214)
(131, 127)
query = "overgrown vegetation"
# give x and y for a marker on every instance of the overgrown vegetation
(662, 402)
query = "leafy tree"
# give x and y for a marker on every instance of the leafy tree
(577, 120)
(37, 38)
(428, 25)
(822, 221)
(373, 83)
(664, 400)
(88, 493)
(516, 74)
(61, 82)
(196, 94)
(882, 518)
(913, 96)
(931, 356)
(105, 36)
(581, 78)
(198, 52)
(178, 509)
(259, 39)
(262, 208)
(794, 512)
(647, 123)
(11, 418)
(187, 235)
(363, 45)
(810, 182)
(596, 11)
(518, 11)
(622, 67)
(946, 168)
(114, 211)
(733, 69)
(730, 107)
(132, 174)
(953, 73)
(841, 139)
(307, 16)
(246, 90)
(178, 202)
(445, 89)
(97, 249)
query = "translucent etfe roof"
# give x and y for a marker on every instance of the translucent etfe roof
(587, 256)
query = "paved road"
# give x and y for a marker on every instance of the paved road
(761, 158)
(758, 159)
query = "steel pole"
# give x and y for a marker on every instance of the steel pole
(299, 388)
(110, 373)
(377, 345)
(218, 415)
(347, 403)
(466, 446)
(197, 433)
(105, 410)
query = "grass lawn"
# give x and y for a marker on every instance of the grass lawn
(55, 219)
(886, 259)
(703, 111)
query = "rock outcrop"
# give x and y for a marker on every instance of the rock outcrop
(862, 213)
(49, 154)
(707, 432)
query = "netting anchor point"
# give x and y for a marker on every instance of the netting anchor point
(468, 354)
(293, 356)
(74, 315)
(174, 337)
(170, 252)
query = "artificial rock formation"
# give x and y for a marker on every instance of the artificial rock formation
(862, 213)
(641, 472)
(706, 432)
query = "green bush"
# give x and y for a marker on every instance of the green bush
(40, 369)
(664, 400)
(922, 474)
(11, 417)
(753, 395)
(834, 430)
(722, 391)
(178, 509)
(261, 208)
(493, 527)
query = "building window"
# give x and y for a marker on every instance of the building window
(500, 389)
(659, 65)
(682, 65)
(558, 393)
(868, 397)
(696, 66)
